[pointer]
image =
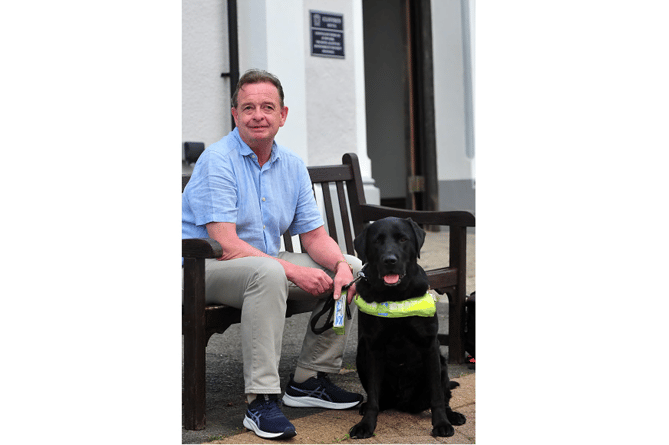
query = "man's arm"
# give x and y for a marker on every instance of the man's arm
(233, 246)
(314, 281)
(325, 251)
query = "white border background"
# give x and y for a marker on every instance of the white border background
(571, 123)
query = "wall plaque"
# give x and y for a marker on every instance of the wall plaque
(327, 34)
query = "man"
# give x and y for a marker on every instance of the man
(245, 191)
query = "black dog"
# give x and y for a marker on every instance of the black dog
(399, 362)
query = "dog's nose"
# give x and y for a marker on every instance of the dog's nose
(390, 259)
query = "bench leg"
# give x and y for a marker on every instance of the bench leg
(456, 339)
(458, 259)
(194, 345)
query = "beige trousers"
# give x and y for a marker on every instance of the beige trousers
(259, 287)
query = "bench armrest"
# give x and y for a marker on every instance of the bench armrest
(372, 212)
(201, 248)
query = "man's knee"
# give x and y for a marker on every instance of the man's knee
(269, 272)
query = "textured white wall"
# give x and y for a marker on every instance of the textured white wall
(449, 97)
(331, 91)
(205, 94)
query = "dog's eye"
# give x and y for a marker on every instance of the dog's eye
(379, 240)
(404, 239)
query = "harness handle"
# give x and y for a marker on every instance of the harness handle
(329, 306)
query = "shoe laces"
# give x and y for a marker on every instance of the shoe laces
(327, 383)
(270, 406)
(323, 377)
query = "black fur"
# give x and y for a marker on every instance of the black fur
(398, 359)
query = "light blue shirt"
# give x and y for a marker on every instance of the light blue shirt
(228, 185)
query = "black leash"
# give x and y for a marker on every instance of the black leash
(329, 306)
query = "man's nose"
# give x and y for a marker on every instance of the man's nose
(257, 114)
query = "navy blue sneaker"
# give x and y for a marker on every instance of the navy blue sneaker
(264, 417)
(319, 392)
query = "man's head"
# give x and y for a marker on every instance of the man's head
(257, 107)
(257, 76)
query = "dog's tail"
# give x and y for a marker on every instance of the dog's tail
(452, 384)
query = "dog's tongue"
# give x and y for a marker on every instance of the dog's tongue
(391, 279)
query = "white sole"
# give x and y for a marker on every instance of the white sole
(251, 425)
(312, 402)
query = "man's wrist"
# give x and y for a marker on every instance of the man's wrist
(338, 263)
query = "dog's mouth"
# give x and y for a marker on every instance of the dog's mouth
(392, 279)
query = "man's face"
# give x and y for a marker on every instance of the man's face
(259, 113)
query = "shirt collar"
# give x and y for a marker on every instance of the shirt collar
(246, 151)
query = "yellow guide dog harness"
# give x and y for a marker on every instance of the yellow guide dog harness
(413, 307)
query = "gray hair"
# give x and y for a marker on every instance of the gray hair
(257, 76)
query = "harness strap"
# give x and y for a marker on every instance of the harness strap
(328, 306)
(413, 307)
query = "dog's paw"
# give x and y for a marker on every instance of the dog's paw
(361, 431)
(443, 431)
(456, 418)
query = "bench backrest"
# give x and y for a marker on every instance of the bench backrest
(341, 211)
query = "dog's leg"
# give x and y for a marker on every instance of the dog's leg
(441, 426)
(374, 366)
(454, 417)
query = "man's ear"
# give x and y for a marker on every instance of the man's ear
(284, 116)
(233, 110)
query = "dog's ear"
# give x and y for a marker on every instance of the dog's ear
(360, 244)
(419, 233)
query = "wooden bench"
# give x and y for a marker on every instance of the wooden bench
(345, 217)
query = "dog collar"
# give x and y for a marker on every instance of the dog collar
(413, 307)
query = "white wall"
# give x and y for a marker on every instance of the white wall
(449, 94)
(330, 91)
(205, 94)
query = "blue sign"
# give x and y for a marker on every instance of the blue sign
(327, 34)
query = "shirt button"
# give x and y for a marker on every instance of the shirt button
(263, 199)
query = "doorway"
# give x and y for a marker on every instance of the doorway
(399, 95)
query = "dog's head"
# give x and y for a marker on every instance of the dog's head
(390, 247)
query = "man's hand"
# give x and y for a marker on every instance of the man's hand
(325, 251)
(314, 281)
(342, 278)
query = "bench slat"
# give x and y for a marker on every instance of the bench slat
(329, 211)
(343, 207)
